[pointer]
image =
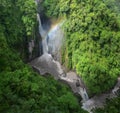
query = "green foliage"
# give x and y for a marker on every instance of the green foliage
(22, 90)
(18, 23)
(92, 51)
(50, 7)
(54, 8)
(28, 10)
(11, 22)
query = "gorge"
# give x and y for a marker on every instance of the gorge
(49, 62)
(59, 56)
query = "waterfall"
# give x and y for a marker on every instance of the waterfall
(52, 39)
(43, 34)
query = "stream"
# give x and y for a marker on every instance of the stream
(52, 40)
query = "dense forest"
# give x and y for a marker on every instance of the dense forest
(92, 48)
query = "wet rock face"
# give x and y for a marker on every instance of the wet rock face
(52, 37)
(55, 40)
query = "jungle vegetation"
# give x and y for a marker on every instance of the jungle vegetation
(92, 48)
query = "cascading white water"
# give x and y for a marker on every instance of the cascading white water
(52, 39)
(43, 34)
